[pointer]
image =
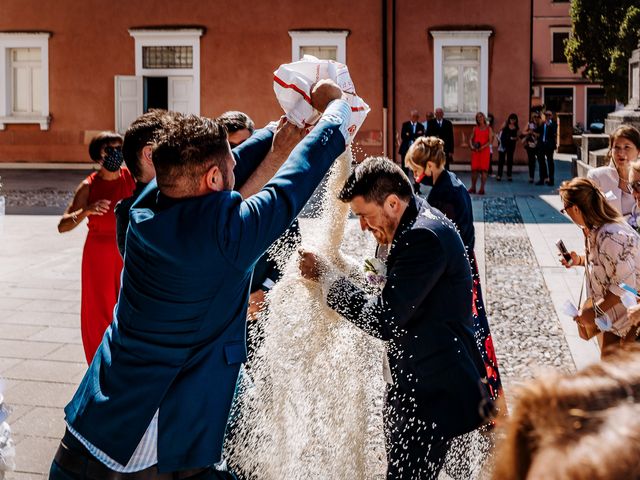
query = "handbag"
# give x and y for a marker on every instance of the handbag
(586, 332)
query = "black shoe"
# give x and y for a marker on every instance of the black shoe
(498, 178)
(549, 182)
(509, 179)
(540, 182)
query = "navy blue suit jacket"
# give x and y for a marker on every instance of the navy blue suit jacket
(178, 335)
(424, 311)
(450, 196)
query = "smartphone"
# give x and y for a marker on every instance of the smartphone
(563, 250)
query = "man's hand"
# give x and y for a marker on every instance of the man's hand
(323, 93)
(311, 266)
(287, 136)
(256, 304)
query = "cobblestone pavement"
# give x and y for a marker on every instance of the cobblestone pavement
(41, 354)
(524, 323)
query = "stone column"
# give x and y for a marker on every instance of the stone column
(630, 114)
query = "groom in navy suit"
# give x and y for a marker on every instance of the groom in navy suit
(156, 398)
(435, 390)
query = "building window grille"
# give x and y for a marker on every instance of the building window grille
(167, 57)
(321, 52)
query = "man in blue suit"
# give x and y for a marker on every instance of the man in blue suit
(155, 400)
(435, 391)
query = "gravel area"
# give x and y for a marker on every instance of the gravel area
(45, 197)
(526, 330)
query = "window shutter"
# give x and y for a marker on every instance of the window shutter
(128, 97)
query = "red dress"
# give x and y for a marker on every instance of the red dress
(480, 160)
(101, 261)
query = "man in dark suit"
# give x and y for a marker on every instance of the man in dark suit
(548, 141)
(156, 398)
(136, 150)
(435, 390)
(442, 128)
(410, 131)
(546, 131)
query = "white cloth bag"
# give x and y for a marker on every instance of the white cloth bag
(292, 83)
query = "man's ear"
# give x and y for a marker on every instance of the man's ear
(146, 154)
(393, 202)
(214, 180)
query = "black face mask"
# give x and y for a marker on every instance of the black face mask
(112, 159)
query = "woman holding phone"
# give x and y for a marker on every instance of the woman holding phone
(612, 257)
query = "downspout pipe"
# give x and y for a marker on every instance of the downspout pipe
(530, 59)
(385, 82)
(393, 80)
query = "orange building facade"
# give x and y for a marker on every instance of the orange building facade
(69, 69)
(554, 85)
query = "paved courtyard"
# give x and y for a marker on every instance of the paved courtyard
(41, 356)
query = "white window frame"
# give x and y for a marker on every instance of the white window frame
(553, 30)
(461, 38)
(319, 38)
(189, 37)
(9, 41)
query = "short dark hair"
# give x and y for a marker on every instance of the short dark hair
(99, 141)
(186, 148)
(375, 179)
(142, 132)
(235, 121)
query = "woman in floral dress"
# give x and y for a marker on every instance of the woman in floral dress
(612, 257)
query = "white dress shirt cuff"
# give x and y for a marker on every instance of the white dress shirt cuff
(338, 111)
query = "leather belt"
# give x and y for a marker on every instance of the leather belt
(90, 468)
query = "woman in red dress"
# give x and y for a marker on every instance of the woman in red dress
(94, 199)
(481, 139)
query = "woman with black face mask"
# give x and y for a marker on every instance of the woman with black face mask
(95, 199)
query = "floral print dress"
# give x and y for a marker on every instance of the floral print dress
(612, 258)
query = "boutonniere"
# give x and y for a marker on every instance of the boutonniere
(375, 271)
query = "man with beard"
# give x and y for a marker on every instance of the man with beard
(435, 390)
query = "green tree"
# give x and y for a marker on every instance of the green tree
(603, 35)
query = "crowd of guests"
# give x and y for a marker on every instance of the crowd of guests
(553, 422)
(538, 138)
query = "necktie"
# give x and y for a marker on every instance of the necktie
(544, 133)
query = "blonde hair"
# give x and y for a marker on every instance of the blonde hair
(423, 150)
(578, 426)
(594, 207)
